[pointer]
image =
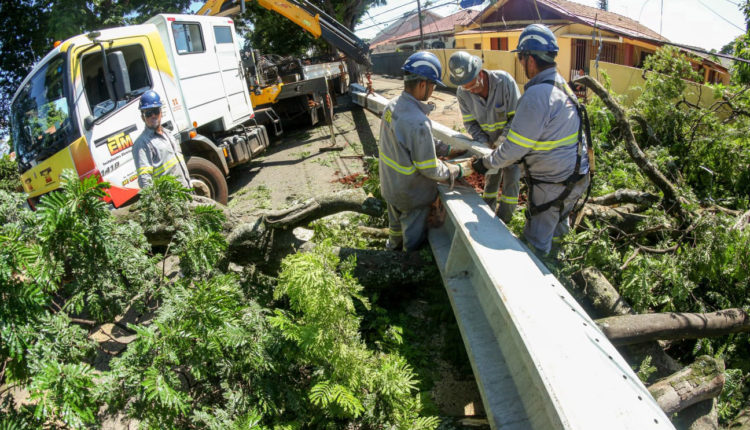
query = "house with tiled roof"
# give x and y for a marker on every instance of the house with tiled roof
(436, 35)
(586, 36)
(406, 24)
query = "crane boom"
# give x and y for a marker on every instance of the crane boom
(308, 17)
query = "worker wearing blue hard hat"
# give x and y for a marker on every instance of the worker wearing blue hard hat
(155, 152)
(408, 153)
(547, 136)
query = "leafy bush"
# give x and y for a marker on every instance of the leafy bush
(9, 179)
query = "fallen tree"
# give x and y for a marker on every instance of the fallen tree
(630, 329)
(701, 380)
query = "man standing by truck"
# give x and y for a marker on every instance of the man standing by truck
(409, 167)
(488, 99)
(154, 152)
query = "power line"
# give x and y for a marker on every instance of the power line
(392, 9)
(396, 19)
(717, 14)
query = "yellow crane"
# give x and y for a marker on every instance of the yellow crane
(307, 16)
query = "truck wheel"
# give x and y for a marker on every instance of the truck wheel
(207, 180)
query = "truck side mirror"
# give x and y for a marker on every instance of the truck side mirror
(119, 71)
(88, 122)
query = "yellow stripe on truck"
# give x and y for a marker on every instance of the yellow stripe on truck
(45, 176)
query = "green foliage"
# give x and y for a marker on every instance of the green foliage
(164, 203)
(63, 393)
(351, 383)
(9, 179)
(657, 267)
(741, 49)
(695, 145)
(98, 265)
(202, 357)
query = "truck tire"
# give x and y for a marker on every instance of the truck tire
(207, 180)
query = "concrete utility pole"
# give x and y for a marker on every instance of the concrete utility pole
(421, 35)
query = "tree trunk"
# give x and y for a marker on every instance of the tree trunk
(700, 381)
(700, 416)
(267, 239)
(592, 287)
(630, 329)
(594, 292)
(353, 200)
(672, 200)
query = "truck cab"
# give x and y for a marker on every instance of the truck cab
(78, 108)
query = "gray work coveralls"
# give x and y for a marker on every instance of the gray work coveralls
(409, 169)
(155, 154)
(545, 132)
(486, 121)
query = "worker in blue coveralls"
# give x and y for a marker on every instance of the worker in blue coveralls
(546, 135)
(488, 99)
(408, 153)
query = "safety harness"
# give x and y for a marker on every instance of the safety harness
(576, 176)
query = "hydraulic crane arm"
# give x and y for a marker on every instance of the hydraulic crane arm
(306, 15)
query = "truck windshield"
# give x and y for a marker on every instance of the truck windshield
(39, 119)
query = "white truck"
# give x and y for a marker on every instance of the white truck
(78, 108)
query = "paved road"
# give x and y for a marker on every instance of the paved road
(294, 168)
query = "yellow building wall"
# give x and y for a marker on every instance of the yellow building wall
(629, 81)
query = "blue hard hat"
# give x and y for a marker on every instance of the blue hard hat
(426, 65)
(537, 38)
(149, 99)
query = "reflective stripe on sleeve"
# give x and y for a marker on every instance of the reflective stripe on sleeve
(489, 195)
(427, 164)
(493, 127)
(146, 170)
(468, 118)
(509, 200)
(404, 170)
(541, 145)
(392, 232)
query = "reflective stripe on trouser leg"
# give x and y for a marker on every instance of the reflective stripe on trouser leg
(414, 227)
(509, 198)
(395, 234)
(491, 184)
(542, 227)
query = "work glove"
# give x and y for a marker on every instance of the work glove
(442, 149)
(454, 172)
(478, 165)
(465, 167)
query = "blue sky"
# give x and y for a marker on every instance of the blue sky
(707, 24)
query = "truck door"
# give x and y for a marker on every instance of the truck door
(232, 76)
(114, 126)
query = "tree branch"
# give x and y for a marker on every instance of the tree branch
(625, 196)
(672, 200)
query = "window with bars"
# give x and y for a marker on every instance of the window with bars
(609, 53)
(499, 43)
